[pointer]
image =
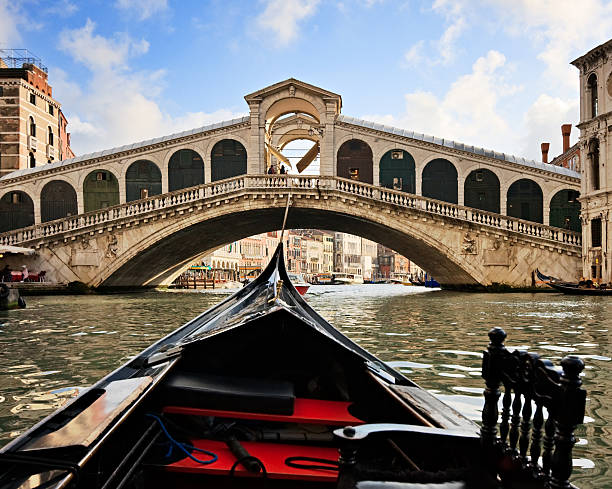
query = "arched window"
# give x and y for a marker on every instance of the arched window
(32, 160)
(593, 156)
(16, 211)
(50, 140)
(439, 181)
(481, 190)
(397, 171)
(355, 161)
(228, 159)
(142, 180)
(100, 190)
(565, 210)
(185, 169)
(524, 200)
(592, 84)
(57, 200)
(32, 127)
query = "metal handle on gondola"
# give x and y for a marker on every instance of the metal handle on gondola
(245, 458)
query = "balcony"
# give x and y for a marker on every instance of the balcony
(32, 143)
(50, 152)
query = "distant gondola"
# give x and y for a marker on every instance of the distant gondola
(576, 289)
(261, 391)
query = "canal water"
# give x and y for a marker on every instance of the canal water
(59, 345)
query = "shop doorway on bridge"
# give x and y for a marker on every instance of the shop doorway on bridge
(228, 159)
(142, 180)
(185, 169)
(565, 210)
(525, 201)
(481, 190)
(16, 211)
(397, 171)
(100, 190)
(440, 181)
(355, 161)
(58, 199)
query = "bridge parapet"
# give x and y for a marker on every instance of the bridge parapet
(288, 183)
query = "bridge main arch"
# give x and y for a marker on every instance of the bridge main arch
(160, 255)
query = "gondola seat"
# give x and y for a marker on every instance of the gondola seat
(225, 392)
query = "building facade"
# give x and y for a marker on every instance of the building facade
(596, 154)
(32, 127)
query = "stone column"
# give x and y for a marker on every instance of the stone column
(255, 149)
(460, 190)
(36, 200)
(503, 200)
(327, 158)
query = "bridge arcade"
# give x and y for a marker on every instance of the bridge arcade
(349, 148)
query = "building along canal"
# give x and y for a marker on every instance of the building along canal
(61, 344)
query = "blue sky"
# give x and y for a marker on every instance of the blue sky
(494, 73)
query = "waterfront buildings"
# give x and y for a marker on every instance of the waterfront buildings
(596, 151)
(307, 252)
(32, 126)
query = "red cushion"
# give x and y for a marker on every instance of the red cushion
(310, 411)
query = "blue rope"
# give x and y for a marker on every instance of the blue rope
(182, 446)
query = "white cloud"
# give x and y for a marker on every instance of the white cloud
(63, 8)
(282, 18)
(563, 28)
(144, 8)
(468, 112)
(414, 55)
(454, 13)
(10, 19)
(117, 106)
(97, 52)
(542, 124)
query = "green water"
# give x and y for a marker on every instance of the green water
(60, 344)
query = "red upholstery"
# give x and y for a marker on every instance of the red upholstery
(272, 455)
(310, 411)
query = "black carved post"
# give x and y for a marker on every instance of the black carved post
(569, 415)
(491, 372)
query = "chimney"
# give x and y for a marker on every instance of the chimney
(545, 147)
(566, 129)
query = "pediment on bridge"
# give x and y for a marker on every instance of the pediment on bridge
(292, 87)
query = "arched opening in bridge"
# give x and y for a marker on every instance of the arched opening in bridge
(565, 210)
(100, 190)
(355, 161)
(16, 211)
(440, 181)
(593, 156)
(303, 156)
(397, 171)
(228, 159)
(593, 96)
(481, 190)
(289, 120)
(185, 169)
(142, 180)
(58, 199)
(525, 201)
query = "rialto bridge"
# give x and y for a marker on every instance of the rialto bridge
(138, 214)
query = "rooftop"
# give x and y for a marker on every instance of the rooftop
(16, 58)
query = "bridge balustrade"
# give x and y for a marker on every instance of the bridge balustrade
(288, 182)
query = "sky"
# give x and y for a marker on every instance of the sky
(493, 73)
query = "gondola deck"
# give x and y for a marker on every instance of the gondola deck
(261, 378)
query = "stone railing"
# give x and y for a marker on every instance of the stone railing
(276, 183)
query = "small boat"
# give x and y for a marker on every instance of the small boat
(347, 279)
(299, 283)
(430, 282)
(580, 289)
(10, 298)
(261, 391)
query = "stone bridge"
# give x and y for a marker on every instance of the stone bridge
(39, 205)
(150, 241)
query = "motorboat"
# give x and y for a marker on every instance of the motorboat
(261, 391)
(347, 279)
(299, 283)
